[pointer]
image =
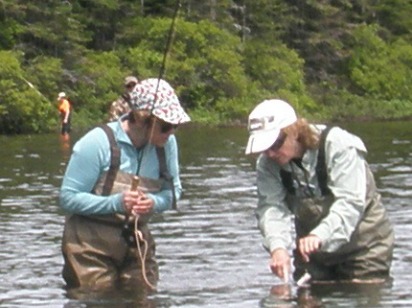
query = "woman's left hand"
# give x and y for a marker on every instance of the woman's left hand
(136, 202)
(308, 245)
(143, 205)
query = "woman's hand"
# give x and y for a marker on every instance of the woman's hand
(280, 264)
(308, 245)
(136, 203)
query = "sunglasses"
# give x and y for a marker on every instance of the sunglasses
(167, 127)
(279, 142)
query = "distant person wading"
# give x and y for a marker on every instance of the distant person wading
(121, 105)
(65, 113)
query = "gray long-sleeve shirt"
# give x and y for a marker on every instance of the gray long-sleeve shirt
(344, 157)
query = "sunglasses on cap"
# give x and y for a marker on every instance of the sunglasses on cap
(279, 142)
(167, 127)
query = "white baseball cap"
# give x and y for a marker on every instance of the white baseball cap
(130, 79)
(61, 94)
(265, 123)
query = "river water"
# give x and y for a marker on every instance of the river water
(209, 250)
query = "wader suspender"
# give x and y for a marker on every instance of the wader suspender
(164, 173)
(114, 161)
(115, 164)
(321, 172)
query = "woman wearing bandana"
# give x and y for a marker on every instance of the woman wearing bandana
(100, 247)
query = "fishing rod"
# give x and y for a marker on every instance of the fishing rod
(33, 87)
(162, 69)
(136, 181)
(169, 41)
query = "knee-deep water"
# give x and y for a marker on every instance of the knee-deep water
(209, 250)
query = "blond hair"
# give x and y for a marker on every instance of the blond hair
(305, 135)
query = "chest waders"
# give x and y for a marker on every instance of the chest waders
(367, 255)
(100, 250)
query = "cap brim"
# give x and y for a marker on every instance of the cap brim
(178, 116)
(259, 142)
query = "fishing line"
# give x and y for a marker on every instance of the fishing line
(166, 52)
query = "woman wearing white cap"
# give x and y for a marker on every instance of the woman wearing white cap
(99, 248)
(65, 113)
(318, 176)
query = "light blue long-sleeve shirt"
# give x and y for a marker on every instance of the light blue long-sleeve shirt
(345, 163)
(91, 158)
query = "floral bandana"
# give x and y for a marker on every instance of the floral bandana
(159, 97)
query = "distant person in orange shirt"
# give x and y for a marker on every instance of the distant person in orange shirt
(65, 113)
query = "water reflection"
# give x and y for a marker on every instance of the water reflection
(65, 146)
(208, 250)
(326, 295)
(118, 297)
